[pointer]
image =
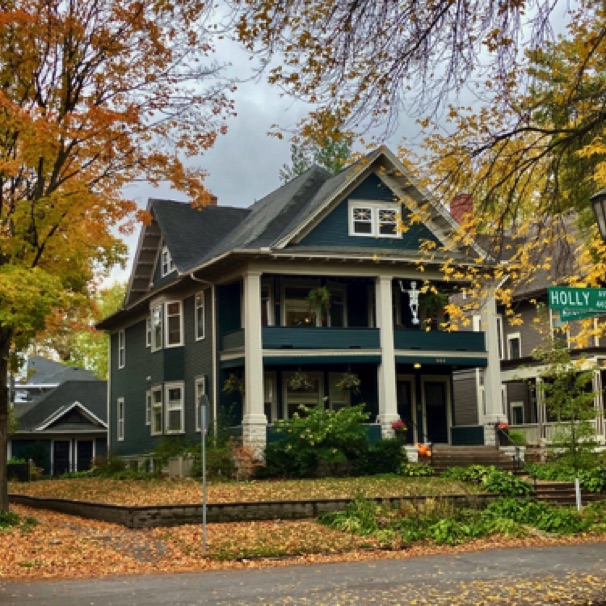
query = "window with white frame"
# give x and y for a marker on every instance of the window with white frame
(378, 219)
(516, 413)
(309, 397)
(156, 411)
(121, 349)
(174, 324)
(167, 264)
(337, 398)
(174, 408)
(148, 407)
(269, 401)
(200, 390)
(267, 312)
(156, 325)
(148, 331)
(514, 346)
(120, 417)
(199, 316)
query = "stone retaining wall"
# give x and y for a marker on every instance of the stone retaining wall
(175, 515)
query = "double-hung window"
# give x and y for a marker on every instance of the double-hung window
(120, 419)
(167, 264)
(376, 219)
(199, 316)
(174, 324)
(174, 408)
(121, 349)
(156, 411)
(167, 325)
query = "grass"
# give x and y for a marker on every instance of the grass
(172, 492)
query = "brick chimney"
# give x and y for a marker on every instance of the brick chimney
(461, 207)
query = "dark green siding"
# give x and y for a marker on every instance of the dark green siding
(334, 228)
(145, 370)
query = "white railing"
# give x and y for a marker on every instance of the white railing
(535, 434)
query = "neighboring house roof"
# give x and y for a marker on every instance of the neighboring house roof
(42, 371)
(72, 406)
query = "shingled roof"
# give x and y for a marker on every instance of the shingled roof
(89, 397)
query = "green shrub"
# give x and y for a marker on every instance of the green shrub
(505, 483)
(415, 470)
(384, 456)
(318, 442)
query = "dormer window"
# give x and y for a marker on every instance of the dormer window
(375, 219)
(167, 262)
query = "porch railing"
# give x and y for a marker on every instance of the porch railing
(535, 434)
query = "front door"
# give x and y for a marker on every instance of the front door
(436, 411)
(84, 455)
(60, 457)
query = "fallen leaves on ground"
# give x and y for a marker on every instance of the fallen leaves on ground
(62, 546)
(187, 491)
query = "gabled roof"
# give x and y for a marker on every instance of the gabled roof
(42, 371)
(199, 239)
(89, 398)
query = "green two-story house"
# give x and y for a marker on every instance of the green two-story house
(315, 294)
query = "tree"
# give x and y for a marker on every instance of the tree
(366, 59)
(74, 338)
(93, 95)
(331, 154)
(569, 401)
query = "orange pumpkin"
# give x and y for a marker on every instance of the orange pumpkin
(423, 450)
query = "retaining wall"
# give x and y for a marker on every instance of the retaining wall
(175, 515)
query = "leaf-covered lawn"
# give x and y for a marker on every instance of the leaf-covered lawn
(62, 546)
(169, 492)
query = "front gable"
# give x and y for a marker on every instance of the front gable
(74, 416)
(370, 201)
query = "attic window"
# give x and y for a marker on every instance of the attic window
(376, 219)
(167, 262)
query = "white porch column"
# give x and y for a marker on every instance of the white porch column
(254, 422)
(598, 403)
(388, 404)
(493, 410)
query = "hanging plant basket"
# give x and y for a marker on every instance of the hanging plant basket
(233, 384)
(319, 301)
(349, 381)
(300, 382)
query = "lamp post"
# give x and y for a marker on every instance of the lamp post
(598, 202)
(203, 431)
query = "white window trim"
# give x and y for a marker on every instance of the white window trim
(199, 389)
(120, 419)
(168, 408)
(301, 397)
(121, 349)
(202, 306)
(167, 264)
(148, 331)
(512, 337)
(148, 407)
(374, 206)
(500, 337)
(168, 345)
(155, 346)
(154, 390)
(556, 324)
(517, 404)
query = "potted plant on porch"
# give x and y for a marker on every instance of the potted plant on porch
(400, 428)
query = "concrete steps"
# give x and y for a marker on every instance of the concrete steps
(444, 456)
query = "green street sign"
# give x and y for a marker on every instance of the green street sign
(582, 300)
(567, 315)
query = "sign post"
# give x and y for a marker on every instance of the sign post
(203, 431)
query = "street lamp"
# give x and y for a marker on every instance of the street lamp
(204, 430)
(598, 202)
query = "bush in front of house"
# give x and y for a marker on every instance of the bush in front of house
(317, 442)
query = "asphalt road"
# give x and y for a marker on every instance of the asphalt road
(505, 576)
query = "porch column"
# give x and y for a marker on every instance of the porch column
(388, 404)
(254, 422)
(493, 410)
(598, 403)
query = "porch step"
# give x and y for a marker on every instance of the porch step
(444, 456)
(562, 493)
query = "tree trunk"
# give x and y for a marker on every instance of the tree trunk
(5, 341)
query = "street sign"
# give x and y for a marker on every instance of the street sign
(581, 300)
(567, 315)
